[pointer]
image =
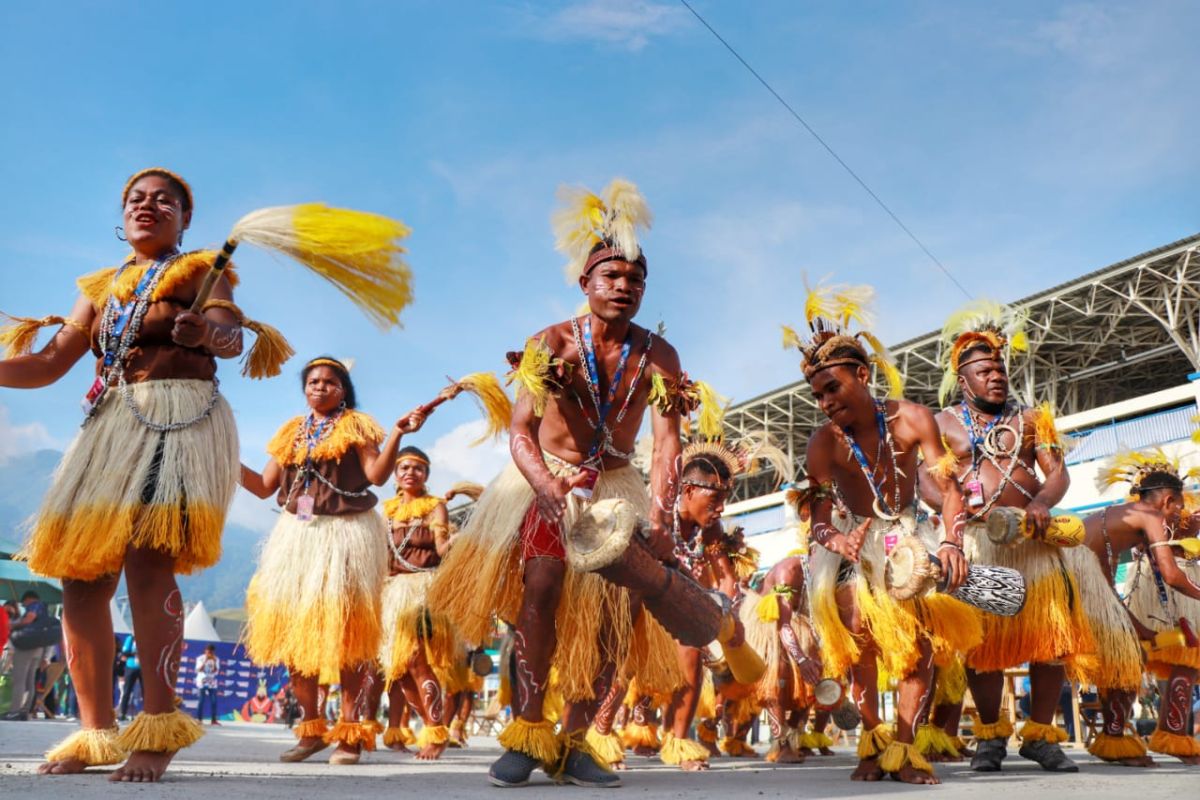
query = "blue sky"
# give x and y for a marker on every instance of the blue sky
(1025, 143)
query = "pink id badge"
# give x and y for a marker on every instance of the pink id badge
(94, 393)
(890, 540)
(973, 489)
(584, 490)
(304, 508)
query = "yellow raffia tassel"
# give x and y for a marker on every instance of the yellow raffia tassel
(818, 739)
(768, 608)
(395, 736)
(931, 740)
(92, 746)
(707, 734)
(532, 375)
(349, 734)
(899, 755)
(710, 420)
(18, 336)
(606, 746)
(311, 729)
(1001, 729)
(730, 746)
(1045, 430)
(270, 350)
(951, 683)
(433, 735)
(874, 741)
(534, 739)
(884, 365)
(493, 402)
(1115, 748)
(636, 734)
(677, 751)
(372, 727)
(1174, 744)
(358, 252)
(947, 463)
(399, 509)
(1037, 732)
(160, 733)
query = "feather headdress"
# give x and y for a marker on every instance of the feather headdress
(745, 455)
(1137, 467)
(611, 218)
(996, 328)
(829, 311)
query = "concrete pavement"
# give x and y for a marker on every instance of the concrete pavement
(236, 760)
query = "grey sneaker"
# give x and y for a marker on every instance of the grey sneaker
(1049, 755)
(988, 755)
(512, 769)
(582, 770)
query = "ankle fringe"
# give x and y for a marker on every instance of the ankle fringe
(874, 741)
(899, 755)
(93, 746)
(606, 746)
(1115, 748)
(676, 751)
(1174, 744)
(534, 739)
(160, 733)
(311, 729)
(1037, 732)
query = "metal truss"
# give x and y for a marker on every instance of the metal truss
(1111, 335)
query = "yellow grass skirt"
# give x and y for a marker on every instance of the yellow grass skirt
(1145, 605)
(763, 638)
(897, 627)
(1052, 625)
(122, 485)
(1118, 660)
(314, 603)
(483, 577)
(407, 625)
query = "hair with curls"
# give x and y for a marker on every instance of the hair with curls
(339, 369)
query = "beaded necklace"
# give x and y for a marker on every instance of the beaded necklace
(882, 508)
(311, 434)
(411, 526)
(980, 453)
(603, 444)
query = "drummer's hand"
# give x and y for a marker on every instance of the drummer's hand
(190, 329)
(840, 543)
(411, 422)
(551, 496)
(661, 543)
(811, 671)
(954, 565)
(1038, 515)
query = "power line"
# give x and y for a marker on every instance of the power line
(828, 149)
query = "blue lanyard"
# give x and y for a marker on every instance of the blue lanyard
(602, 408)
(125, 310)
(1159, 584)
(969, 424)
(861, 457)
(313, 438)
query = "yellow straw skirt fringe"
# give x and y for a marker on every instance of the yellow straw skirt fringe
(763, 638)
(1144, 603)
(407, 625)
(121, 484)
(482, 577)
(314, 603)
(1118, 660)
(895, 626)
(1051, 627)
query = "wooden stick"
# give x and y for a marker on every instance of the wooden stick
(214, 274)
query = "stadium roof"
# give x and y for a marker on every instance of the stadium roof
(1108, 336)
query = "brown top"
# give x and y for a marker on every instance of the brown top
(154, 356)
(420, 550)
(346, 474)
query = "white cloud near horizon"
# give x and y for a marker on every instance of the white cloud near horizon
(16, 439)
(627, 24)
(454, 458)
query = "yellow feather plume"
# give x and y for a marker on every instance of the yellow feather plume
(584, 219)
(767, 609)
(818, 303)
(1196, 433)
(999, 322)
(853, 303)
(18, 336)
(757, 446)
(947, 465)
(627, 211)
(493, 401)
(466, 489)
(532, 375)
(791, 338)
(659, 396)
(710, 420)
(356, 251)
(1045, 429)
(883, 363)
(1128, 466)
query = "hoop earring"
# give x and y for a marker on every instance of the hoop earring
(120, 232)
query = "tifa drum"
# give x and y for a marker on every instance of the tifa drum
(1007, 526)
(829, 694)
(912, 571)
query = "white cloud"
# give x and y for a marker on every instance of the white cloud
(250, 512)
(17, 439)
(454, 459)
(628, 24)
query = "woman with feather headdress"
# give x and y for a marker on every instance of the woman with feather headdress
(862, 470)
(584, 387)
(996, 448)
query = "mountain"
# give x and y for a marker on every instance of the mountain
(25, 478)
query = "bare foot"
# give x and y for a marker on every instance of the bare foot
(346, 754)
(867, 770)
(693, 766)
(68, 766)
(142, 766)
(825, 751)
(1139, 761)
(618, 766)
(643, 750)
(909, 775)
(787, 755)
(431, 752)
(398, 747)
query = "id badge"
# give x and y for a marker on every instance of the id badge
(584, 490)
(304, 508)
(94, 394)
(890, 540)
(973, 489)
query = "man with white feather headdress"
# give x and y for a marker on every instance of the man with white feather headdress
(584, 386)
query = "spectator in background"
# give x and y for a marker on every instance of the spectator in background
(208, 667)
(133, 675)
(25, 662)
(7, 615)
